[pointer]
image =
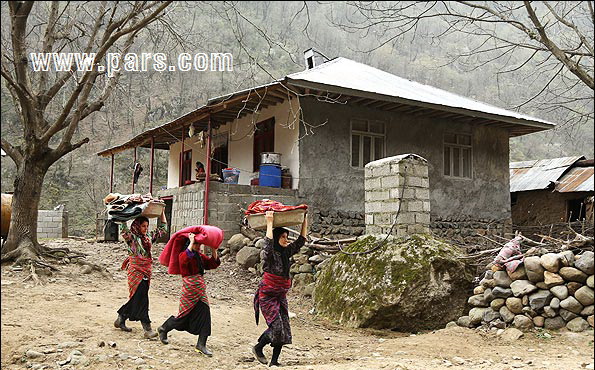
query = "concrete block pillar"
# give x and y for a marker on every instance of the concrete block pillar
(397, 188)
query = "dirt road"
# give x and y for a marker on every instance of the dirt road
(67, 322)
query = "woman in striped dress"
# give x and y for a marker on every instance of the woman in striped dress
(139, 267)
(194, 315)
(271, 296)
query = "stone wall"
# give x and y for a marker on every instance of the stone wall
(336, 224)
(468, 228)
(551, 291)
(397, 187)
(52, 224)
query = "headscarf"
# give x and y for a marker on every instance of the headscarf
(277, 232)
(135, 229)
(201, 269)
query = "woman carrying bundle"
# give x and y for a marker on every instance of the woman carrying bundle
(138, 265)
(271, 296)
(194, 315)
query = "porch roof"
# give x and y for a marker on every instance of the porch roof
(344, 81)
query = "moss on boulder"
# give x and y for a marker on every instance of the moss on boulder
(408, 284)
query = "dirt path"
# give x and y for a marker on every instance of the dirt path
(74, 312)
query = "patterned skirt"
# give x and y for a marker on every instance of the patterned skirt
(271, 300)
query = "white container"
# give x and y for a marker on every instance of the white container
(285, 218)
(270, 158)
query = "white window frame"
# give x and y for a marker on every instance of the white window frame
(459, 146)
(362, 134)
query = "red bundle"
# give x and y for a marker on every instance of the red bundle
(261, 206)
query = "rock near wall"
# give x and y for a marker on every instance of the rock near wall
(409, 284)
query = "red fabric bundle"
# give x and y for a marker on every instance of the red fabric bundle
(211, 236)
(261, 206)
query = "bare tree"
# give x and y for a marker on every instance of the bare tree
(551, 42)
(51, 104)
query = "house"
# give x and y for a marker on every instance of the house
(551, 191)
(327, 122)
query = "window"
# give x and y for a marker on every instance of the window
(186, 174)
(458, 157)
(367, 141)
(264, 140)
(575, 210)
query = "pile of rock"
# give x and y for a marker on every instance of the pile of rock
(305, 264)
(552, 291)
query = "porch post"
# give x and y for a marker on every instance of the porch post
(111, 176)
(208, 174)
(133, 165)
(151, 169)
(181, 159)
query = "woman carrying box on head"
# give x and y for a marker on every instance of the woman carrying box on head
(138, 265)
(271, 296)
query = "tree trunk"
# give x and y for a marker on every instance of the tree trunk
(21, 243)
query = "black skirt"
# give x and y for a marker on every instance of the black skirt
(197, 321)
(137, 307)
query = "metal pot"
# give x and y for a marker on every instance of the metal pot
(270, 158)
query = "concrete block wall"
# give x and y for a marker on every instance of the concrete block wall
(397, 187)
(227, 203)
(52, 224)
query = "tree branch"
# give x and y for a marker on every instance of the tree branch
(13, 152)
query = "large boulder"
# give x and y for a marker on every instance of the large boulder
(248, 257)
(408, 284)
(236, 242)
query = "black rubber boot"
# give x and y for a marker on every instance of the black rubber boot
(149, 333)
(257, 349)
(275, 357)
(201, 346)
(120, 323)
(162, 331)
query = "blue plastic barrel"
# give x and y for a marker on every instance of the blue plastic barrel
(270, 175)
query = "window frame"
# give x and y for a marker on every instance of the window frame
(260, 139)
(362, 134)
(186, 167)
(461, 147)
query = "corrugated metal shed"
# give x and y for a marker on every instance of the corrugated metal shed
(350, 74)
(538, 175)
(577, 179)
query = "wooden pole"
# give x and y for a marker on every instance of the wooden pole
(181, 159)
(152, 162)
(133, 167)
(111, 176)
(208, 175)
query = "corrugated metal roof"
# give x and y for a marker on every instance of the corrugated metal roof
(577, 179)
(538, 175)
(350, 74)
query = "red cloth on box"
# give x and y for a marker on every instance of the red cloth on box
(261, 206)
(211, 236)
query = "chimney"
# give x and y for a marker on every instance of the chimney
(314, 58)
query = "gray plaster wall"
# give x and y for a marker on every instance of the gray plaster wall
(329, 182)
